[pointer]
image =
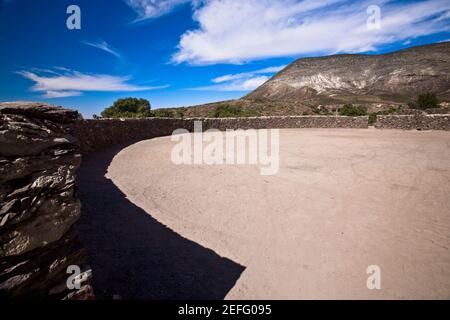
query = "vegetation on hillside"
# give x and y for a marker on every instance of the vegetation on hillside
(139, 108)
(373, 115)
(424, 101)
(353, 111)
(229, 111)
(169, 113)
(128, 108)
(320, 111)
(236, 108)
(427, 100)
(162, 113)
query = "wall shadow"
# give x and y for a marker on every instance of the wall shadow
(134, 256)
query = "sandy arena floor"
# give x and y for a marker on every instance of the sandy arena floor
(341, 201)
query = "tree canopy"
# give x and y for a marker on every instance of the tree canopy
(128, 108)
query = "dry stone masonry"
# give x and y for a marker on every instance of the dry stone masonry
(414, 122)
(100, 133)
(97, 134)
(284, 122)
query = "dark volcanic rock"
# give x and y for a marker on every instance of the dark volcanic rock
(24, 136)
(38, 203)
(38, 110)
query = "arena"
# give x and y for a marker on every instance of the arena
(343, 200)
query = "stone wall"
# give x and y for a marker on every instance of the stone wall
(38, 203)
(284, 122)
(100, 133)
(414, 122)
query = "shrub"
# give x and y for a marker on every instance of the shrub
(249, 113)
(162, 113)
(427, 100)
(225, 111)
(228, 111)
(352, 111)
(128, 108)
(373, 117)
(315, 110)
(320, 111)
(179, 112)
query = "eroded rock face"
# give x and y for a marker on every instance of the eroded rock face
(38, 203)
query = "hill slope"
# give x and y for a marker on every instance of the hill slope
(359, 78)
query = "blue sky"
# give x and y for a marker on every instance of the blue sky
(181, 53)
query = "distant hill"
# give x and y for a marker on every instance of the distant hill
(358, 78)
(311, 85)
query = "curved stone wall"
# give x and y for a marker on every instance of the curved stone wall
(101, 133)
(98, 134)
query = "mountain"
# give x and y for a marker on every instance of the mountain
(395, 77)
(382, 82)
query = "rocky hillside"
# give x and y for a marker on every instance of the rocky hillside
(395, 77)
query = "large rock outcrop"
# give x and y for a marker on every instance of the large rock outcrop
(38, 202)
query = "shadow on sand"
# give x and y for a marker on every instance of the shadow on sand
(136, 257)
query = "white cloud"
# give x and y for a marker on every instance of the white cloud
(61, 94)
(232, 31)
(247, 84)
(245, 81)
(230, 77)
(103, 45)
(68, 83)
(147, 9)
(252, 83)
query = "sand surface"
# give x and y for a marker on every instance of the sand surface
(342, 200)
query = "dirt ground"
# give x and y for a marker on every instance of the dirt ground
(343, 199)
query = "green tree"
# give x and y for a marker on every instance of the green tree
(427, 100)
(128, 108)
